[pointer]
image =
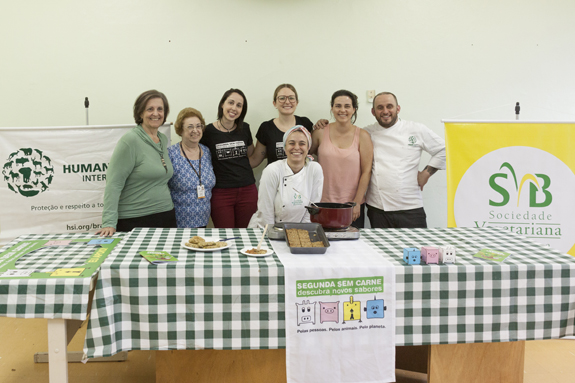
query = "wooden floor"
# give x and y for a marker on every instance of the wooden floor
(550, 361)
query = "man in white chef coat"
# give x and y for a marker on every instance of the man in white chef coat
(394, 195)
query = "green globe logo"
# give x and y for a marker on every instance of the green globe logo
(28, 172)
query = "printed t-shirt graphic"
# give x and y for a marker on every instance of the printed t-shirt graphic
(231, 150)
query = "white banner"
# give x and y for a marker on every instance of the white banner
(54, 177)
(340, 314)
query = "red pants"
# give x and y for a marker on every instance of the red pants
(234, 207)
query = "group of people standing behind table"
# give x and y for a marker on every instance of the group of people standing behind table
(209, 172)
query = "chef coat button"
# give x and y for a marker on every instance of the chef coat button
(284, 206)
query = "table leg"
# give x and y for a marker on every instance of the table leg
(57, 350)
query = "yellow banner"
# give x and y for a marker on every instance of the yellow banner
(519, 176)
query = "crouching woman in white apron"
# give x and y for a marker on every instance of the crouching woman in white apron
(287, 186)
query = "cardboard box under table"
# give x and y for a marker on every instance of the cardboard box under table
(470, 318)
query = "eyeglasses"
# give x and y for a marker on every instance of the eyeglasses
(197, 127)
(283, 99)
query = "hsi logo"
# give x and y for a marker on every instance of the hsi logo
(412, 140)
(28, 172)
(538, 184)
(521, 189)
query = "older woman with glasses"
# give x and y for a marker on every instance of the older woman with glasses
(270, 133)
(193, 180)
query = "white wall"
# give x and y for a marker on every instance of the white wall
(442, 58)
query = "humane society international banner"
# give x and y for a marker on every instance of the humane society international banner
(53, 178)
(514, 175)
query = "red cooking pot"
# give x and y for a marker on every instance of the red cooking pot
(332, 215)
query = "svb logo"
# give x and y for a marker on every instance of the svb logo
(412, 140)
(297, 199)
(522, 189)
(538, 185)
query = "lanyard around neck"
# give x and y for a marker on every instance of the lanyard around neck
(190, 162)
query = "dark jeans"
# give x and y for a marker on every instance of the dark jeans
(234, 207)
(166, 219)
(414, 218)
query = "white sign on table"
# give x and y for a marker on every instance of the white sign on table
(340, 314)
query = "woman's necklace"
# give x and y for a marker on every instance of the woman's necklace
(155, 137)
(223, 126)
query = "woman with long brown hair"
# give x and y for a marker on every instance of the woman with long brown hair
(235, 196)
(345, 153)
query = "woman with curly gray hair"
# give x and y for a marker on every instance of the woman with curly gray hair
(194, 178)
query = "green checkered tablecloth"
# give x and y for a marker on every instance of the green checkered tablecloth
(213, 300)
(528, 297)
(224, 300)
(54, 298)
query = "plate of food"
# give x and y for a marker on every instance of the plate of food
(205, 244)
(254, 252)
